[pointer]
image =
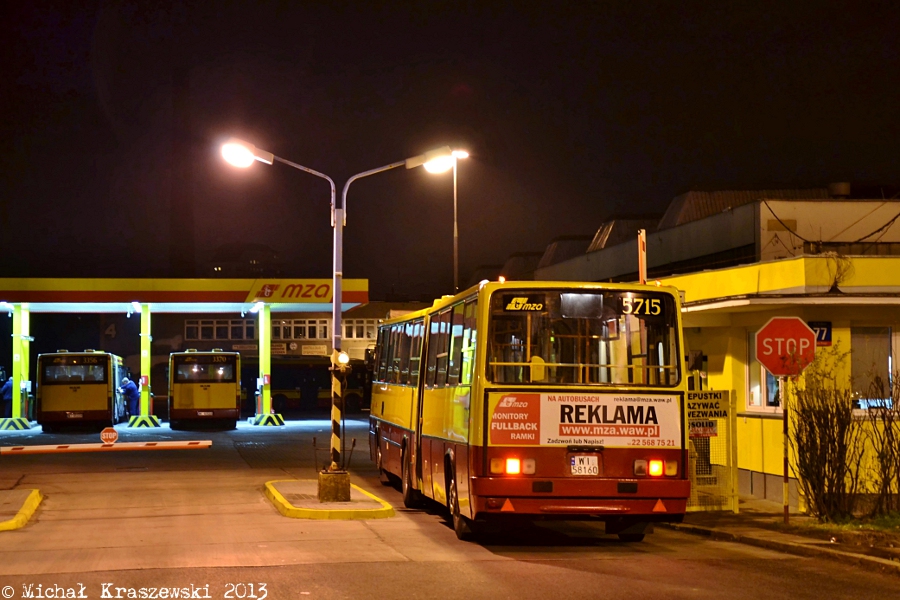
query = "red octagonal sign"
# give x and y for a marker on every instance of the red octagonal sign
(109, 435)
(785, 346)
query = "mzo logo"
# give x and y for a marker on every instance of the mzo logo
(511, 402)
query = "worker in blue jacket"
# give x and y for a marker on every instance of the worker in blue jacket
(132, 395)
(6, 397)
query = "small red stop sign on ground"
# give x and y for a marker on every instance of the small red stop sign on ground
(109, 435)
(785, 346)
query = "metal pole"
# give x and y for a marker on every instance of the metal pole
(337, 374)
(642, 256)
(455, 235)
(784, 427)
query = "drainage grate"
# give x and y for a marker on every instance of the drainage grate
(292, 498)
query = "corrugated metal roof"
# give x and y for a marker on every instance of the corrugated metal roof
(564, 248)
(695, 205)
(618, 231)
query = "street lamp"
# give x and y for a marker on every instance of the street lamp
(442, 165)
(243, 154)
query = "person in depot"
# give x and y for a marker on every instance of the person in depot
(6, 398)
(132, 395)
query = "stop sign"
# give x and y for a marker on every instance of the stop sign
(785, 346)
(109, 435)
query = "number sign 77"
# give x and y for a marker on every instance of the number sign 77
(822, 329)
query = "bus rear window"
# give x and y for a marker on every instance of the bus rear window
(73, 373)
(200, 369)
(614, 338)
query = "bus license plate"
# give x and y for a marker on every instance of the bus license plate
(72, 415)
(204, 413)
(585, 465)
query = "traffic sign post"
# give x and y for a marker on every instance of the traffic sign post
(109, 435)
(785, 346)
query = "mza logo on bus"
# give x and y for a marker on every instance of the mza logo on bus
(610, 420)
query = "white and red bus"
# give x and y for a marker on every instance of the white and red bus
(537, 399)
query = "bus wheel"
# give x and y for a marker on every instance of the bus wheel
(631, 537)
(461, 525)
(174, 425)
(47, 428)
(411, 496)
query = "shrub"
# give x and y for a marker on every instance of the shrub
(826, 439)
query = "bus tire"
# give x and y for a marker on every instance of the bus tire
(174, 425)
(412, 498)
(461, 525)
(631, 537)
(47, 428)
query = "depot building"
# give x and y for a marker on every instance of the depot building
(274, 324)
(829, 256)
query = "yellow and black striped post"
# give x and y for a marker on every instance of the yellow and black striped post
(334, 481)
(337, 406)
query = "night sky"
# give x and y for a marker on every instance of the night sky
(573, 112)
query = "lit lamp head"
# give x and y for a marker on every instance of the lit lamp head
(444, 162)
(242, 154)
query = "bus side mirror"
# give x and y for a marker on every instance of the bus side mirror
(538, 370)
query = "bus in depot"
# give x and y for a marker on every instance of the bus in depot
(204, 389)
(79, 388)
(303, 385)
(536, 400)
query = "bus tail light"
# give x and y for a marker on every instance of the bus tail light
(512, 466)
(655, 468)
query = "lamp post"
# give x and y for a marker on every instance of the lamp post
(442, 165)
(243, 154)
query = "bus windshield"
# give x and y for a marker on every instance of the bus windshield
(204, 369)
(69, 369)
(584, 337)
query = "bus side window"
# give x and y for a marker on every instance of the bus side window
(382, 353)
(415, 353)
(393, 367)
(456, 336)
(468, 343)
(443, 348)
(405, 340)
(430, 364)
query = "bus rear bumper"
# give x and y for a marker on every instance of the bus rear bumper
(567, 498)
(176, 414)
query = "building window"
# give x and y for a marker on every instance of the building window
(300, 329)
(763, 392)
(870, 362)
(233, 329)
(360, 329)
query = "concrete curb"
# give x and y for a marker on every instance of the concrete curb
(871, 563)
(294, 512)
(22, 517)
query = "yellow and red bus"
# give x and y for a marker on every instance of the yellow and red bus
(542, 400)
(79, 388)
(204, 388)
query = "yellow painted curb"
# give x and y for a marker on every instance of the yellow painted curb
(28, 507)
(289, 510)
